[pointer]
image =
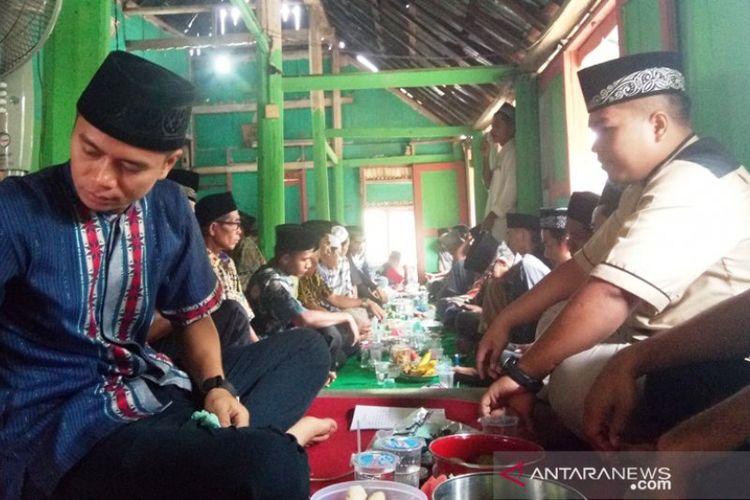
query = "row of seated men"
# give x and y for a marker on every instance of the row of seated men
(317, 278)
(486, 275)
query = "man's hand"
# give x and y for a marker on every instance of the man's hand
(609, 404)
(375, 309)
(355, 330)
(471, 308)
(505, 393)
(228, 408)
(493, 343)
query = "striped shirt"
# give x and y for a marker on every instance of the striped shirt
(78, 290)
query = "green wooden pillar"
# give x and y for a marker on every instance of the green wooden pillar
(317, 98)
(528, 164)
(338, 145)
(477, 164)
(78, 45)
(271, 130)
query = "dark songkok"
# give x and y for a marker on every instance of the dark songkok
(294, 238)
(553, 218)
(318, 227)
(138, 102)
(631, 77)
(482, 252)
(508, 111)
(214, 206)
(249, 223)
(581, 206)
(187, 179)
(523, 221)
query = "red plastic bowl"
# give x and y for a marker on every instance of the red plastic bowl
(462, 453)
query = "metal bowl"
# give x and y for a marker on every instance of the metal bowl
(492, 486)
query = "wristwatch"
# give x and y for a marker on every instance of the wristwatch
(218, 382)
(529, 383)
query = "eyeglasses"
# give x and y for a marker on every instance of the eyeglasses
(234, 223)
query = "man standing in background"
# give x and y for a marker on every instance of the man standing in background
(499, 172)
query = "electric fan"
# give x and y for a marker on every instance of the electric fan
(24, 27)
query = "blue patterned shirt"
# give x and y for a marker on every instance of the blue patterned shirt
(78, 290)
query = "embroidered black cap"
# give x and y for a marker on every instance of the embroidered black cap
(138, 102)
(631, 77)
(553, 218)
(581, 206)
(214, 206)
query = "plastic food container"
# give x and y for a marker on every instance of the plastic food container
(374, 465)
(409, 451)
(393, 491)
(467, 453)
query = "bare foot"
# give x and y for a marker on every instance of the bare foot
(331, 378)
(311, 430)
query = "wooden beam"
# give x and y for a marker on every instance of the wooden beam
(252, 24)
(250, 107)
(396, 133)
(331, 154)
(249, 167)
(392, 79)
(398, 160)
(318, 123)
(294, 37)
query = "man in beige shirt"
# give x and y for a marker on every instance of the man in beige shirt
(500, 172)
(678, 243)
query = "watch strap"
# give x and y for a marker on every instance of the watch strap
(529, 383)
(216, 383)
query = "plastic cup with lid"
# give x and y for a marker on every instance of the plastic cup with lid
(409, 451)
(373, 464)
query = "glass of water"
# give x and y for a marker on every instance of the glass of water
(381, 371)
(445, 374)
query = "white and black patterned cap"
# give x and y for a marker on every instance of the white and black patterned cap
(631, 77)
(553, 218)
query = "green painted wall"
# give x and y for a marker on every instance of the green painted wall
(391, 192)
(641, 26)
(528, 168)
(716, 57)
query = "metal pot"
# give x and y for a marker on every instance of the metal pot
(463, 453)
(492, 486)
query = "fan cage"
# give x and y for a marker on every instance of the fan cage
(24, 26)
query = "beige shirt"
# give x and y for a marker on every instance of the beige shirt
(680, 241)
(501, 197)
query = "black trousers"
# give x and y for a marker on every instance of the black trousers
(167, 456)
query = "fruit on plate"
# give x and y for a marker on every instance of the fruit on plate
(426, 367)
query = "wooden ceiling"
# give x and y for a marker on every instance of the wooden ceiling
(407, 34)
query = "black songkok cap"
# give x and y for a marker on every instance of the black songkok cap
(214, 206)
(553, 218)
(631, 77)
(138, 102)
(294, 238)
(189, 180)
(611, 196)
(249, 223)
(319, 228)
(523, 221)
(482, 252)
(581, 206)
(509, 111)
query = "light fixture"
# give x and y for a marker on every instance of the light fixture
(367, 63)
(223, 20)
(222, 64)
(297, 12)
(235, 15)
(285, 12)
(342, 44)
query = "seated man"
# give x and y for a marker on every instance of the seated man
(642, 265)
(578, 225)
(524, 240)
(88, 409)
(360, 270)
(272, 295)
(315, 292)
(246, 255)
(697, 391)
(552, 222)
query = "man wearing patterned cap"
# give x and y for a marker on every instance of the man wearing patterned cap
(499, 172)
(90, 249)
(643, 265)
